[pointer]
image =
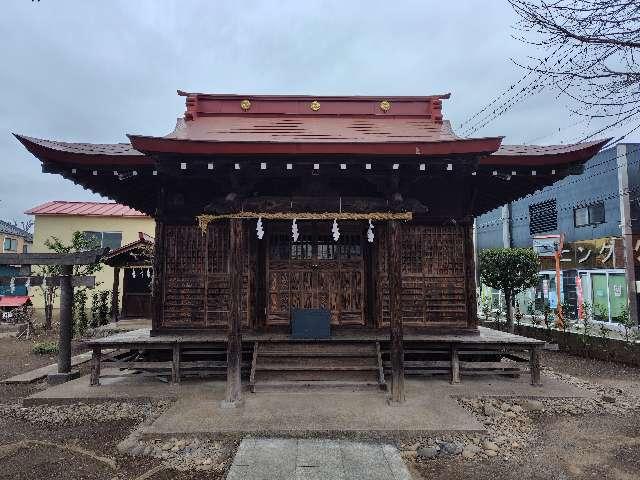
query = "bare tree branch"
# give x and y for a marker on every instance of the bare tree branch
(602, 73)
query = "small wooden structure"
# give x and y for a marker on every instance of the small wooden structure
(136, 259)
(66, 280)
(361, 206)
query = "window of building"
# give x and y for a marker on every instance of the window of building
(112, 240)
(543, 217)
(592, 214)
(10, 244)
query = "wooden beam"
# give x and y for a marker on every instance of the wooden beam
(66, 304)
(79, 258)
(115, 294)
(234, 341)
(394, 269)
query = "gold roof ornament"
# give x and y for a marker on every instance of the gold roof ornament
(245, 105)
(315, 105)
(385, 105)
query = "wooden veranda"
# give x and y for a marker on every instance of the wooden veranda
(424, 355)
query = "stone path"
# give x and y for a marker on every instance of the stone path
(292, 459)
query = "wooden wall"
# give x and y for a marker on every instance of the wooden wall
(196, 287)
(438, 286)
(434, 276)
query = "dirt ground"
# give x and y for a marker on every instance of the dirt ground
(565, 447)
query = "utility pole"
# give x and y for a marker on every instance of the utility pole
(627, 234)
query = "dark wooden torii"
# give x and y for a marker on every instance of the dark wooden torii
(66, 280)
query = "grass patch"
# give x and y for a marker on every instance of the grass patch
(45, 348)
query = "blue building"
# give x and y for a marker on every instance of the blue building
(598, 213)
(13, 239)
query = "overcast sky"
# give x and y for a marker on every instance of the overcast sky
(89, 71)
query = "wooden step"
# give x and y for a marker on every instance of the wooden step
(316, 354)
(337, 368)
(369, 361)
(303, 386)
(281, 375)
(309, 348)
(311, 364)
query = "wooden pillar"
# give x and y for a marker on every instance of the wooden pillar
(66, 303)
(234, 339)
(157, 287)
(534, 366)
(96, 358)
(455, 365)
(175, 364)
(115, 294)
(394, 271)
(470, 277)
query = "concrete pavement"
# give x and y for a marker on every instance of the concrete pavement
(292, 459)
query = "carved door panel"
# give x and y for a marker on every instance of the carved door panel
(315, 272)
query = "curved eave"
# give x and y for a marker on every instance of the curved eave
(60, 152)
(152, 145)
(118, 257)
(545, 156)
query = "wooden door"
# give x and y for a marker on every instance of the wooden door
(136, 293)
(315, 272)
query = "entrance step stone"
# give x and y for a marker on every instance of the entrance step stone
(316, 364)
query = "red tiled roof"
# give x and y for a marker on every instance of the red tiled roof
(13, 300)
(96, 209)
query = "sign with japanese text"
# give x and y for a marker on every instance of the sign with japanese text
(598, 253)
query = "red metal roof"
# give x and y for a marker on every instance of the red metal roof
(14, 300)
(85, 153)
(539, 155)
(272, 124)
(96, 209)
(218, 124)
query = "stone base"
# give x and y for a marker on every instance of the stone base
(58, 378)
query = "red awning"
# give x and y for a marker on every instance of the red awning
(14, 300)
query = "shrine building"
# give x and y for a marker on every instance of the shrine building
(304, 219)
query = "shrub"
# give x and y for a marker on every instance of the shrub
(80, 319)
(95, 310)
(624, 319)
(103, 307)
(45, 348)
(510, 270)
(518, 315)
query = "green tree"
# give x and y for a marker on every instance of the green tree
(79, 243)
(511, 270)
